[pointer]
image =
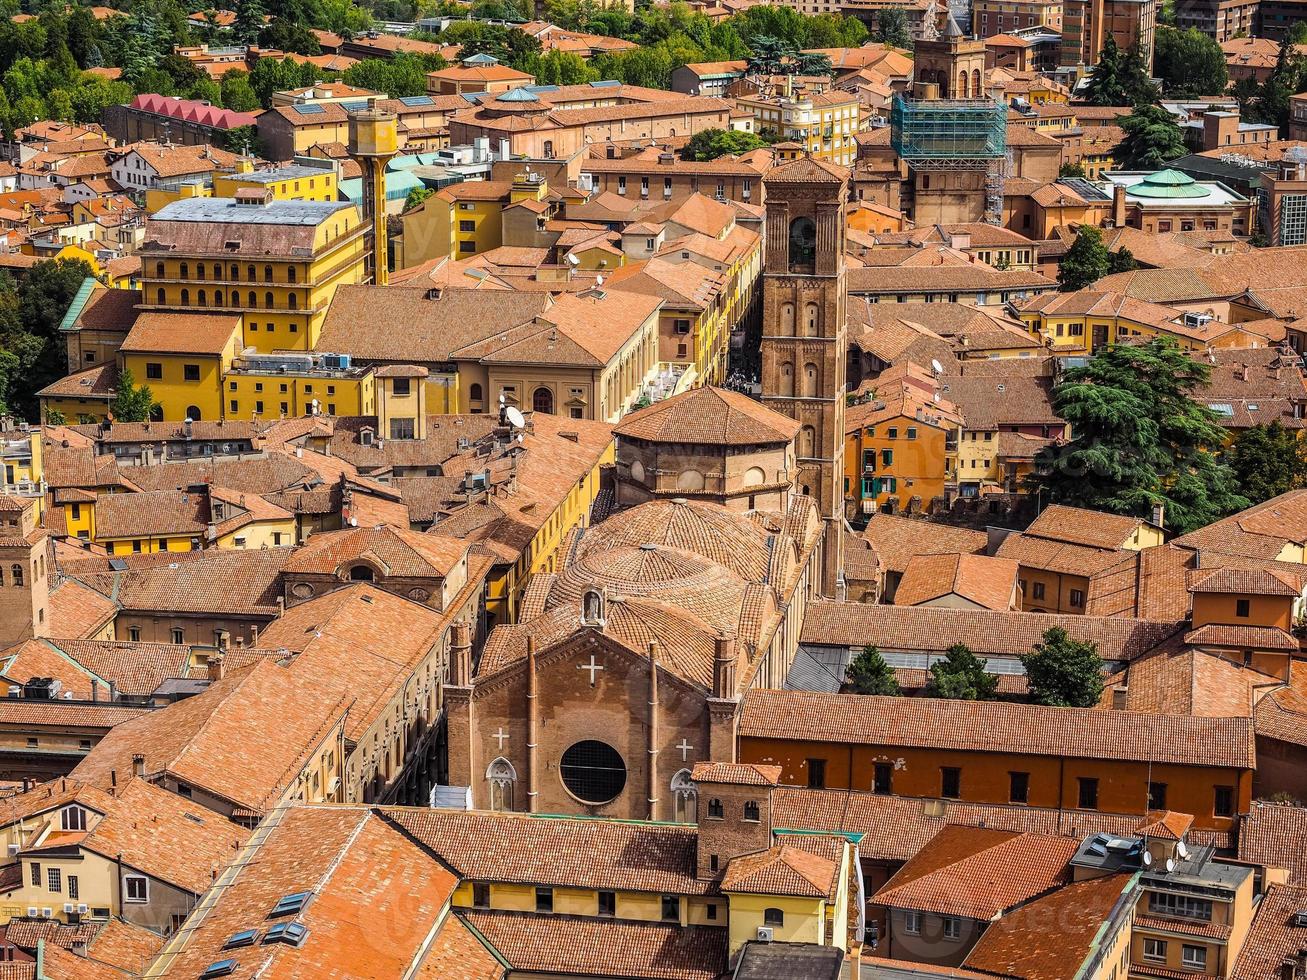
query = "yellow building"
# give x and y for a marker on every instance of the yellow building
(293, 183)
(293, 384)
(158, 521)
(825, 124)
(466, 219)
(272, 264)
(182, 358)
(1083, 322)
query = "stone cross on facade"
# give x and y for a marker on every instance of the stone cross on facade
(685, 748)
(593, 666)
(501, 737)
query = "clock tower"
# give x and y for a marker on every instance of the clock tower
(804, 337)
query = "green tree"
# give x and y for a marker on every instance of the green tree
(769, 55)
(30, 315)
(249, 21)
(1190, 63)
(1122, 260)
(1085, 262)
(562, 68)
(1288, 78)
(1152, 138)
(709, 144)
(868, 673)
(1298, 33)
(131, 403)
(961, 676)
(416, 196)
(287, 35)
(1071, 170)
(1267, 460)
(1064, 673)
(1119, 78)
(1139, 439)
(892, 28)
(237, 93)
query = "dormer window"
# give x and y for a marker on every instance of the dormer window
(365, 436)
(72, 818)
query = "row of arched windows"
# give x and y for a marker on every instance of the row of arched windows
(251, 272)
(202, 299)
(809, 384)
(811, 317)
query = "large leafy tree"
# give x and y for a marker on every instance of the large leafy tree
(1189, 63)
(1085, 262)
(1152, 139)
(30, 314)
(961, 675)
(868, 673)
(1270, 104)
(709, 144)
(892, 28)
(1119, 78)
(1139, 439)
(1268, 460)
(1063, 672)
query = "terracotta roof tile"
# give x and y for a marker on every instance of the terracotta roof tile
(710, 416)
(1274, 936)
(517, 848)
(988, 633)
(1076, 525)
(782, 870)
(1275, 835)
(182, 333)
(1086, 733)
(896, 540)
(376, 898)
(737, 773)
(216, 581)
(1020, 944)
(567, 944)
(978, 873)
(988, 582)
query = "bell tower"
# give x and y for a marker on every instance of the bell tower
(804, 337)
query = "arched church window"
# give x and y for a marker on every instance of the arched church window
(754, 476)
(689, 481)
(787, 379)
(809, 380)
(685, 796)
(787, 319)
(592, 608)
(803, 243)
(502, 778)
(810, 319)
(975, 83)
(807, 442)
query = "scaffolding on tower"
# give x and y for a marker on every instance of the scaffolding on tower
(954, 134)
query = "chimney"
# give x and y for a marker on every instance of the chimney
(1243, 372)
(723, 673)
(1118, 206)
(1159, 515)
(138, 764)
(1120, 698)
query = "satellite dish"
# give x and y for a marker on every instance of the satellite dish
(515, 418)
(1170, 865)
(1182, 850)
(1148, 859)
(573, 260)
(936, 366)
(937, 398)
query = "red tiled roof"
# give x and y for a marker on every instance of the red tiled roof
(1023, 729)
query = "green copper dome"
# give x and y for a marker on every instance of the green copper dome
(1167, 184)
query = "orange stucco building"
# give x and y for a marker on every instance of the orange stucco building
(992, 752)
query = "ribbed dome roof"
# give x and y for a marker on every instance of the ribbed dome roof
(721, 536)
(1167, 184)
(519, 94)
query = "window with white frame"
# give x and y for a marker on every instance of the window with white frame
(952, 927)
(136, 889)
(73, 818)
(1194, 957)
(912, 923)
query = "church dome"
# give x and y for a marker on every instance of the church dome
(1167, 184)
(721, 536)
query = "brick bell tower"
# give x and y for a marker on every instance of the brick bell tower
(804, 337)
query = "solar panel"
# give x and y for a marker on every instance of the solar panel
(415, 100)
(1086, 189)
(309, 110)
(606, 83)
(117, 564)
(354, 106)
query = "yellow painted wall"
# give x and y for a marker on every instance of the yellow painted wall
(805, 919)
(322, 186)
(147, 545)
(173, 392)
(270, 395)
(261, 534)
